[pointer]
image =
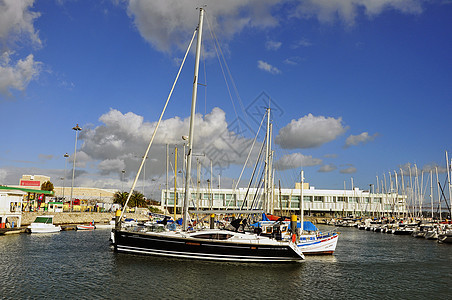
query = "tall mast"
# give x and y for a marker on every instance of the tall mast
(449, 174)
(267, 167)
(431, 191)
(439, 196)
(165, 208)
(192, 119)
(397, 194)
(301, 202)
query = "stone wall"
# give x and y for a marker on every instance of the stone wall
(64, 218)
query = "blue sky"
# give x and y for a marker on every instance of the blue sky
(359, 88)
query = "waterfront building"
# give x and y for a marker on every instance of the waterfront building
(316, 202)
(63, 193)
(10, 207)
(85, 198)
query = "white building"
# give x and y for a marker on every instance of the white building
(10, 207)
(315, 202)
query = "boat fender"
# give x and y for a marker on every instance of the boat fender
(294, 238)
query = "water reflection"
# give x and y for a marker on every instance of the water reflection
(82, 265)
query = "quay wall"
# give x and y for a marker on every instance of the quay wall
(66, 218)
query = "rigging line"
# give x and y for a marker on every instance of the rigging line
(258, 191)
(216, 47)
(252, 175)
(249, 153)
(157, 126)
(261, 163)
(205, 81)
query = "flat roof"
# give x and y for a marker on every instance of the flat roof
(26, 190)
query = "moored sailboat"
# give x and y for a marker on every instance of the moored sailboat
(218, 245)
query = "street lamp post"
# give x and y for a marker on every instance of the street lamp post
(77, 129)
(65, 167)
(122, 186)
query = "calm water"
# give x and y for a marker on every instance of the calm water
(81, 265)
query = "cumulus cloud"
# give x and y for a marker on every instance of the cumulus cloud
(16, 27)
(119, 143)
(329, 11)
(273, 45)
(295, 160)
(309, 132)
(262, 65)
(108, 166)
(17, 76)
(168, 23)
(406, 168)
(433, 167)
(361, 138)
(327, 168)
(348, 170)
(16, 22)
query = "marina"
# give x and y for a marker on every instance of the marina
(232, 215)
(83, 265)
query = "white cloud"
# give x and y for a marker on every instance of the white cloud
(168, 23)
(120, 142)
(328, 11)
(361, 138)
(16, 27)
(293, 61)
(3, 175)
(111, 166)
(267, 67)
(16, 22)
(327, 168)
(348, 170)
(17, 76)
(302, 43)
(426, 169)
(273, 45)
(296, 160)
(309, 132)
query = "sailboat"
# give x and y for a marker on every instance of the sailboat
(208, 244)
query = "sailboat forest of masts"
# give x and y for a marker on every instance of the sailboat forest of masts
(211, 244)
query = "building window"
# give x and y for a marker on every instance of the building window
(295, 204)
(294, 198)
(307, 198)
(353, 200)
(318, 198)
(341, 199)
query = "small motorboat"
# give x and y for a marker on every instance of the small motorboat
(43, 224)
(91, 226)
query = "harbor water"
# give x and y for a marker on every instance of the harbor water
(82, 265)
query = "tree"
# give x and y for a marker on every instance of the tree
(47, 186)
(137, 199)
(120, 197)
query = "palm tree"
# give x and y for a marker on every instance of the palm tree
(120, 197)
(137, 199)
